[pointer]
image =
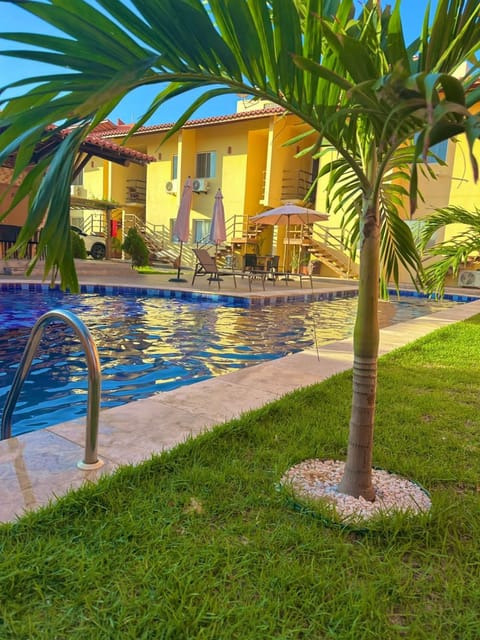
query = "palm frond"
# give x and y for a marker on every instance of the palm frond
(350, 77)
(445, 257)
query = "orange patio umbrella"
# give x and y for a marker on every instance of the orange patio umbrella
(289, 214)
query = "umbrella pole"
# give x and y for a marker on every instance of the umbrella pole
(287, 247)
(178, 279)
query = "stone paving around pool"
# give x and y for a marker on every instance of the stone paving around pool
(37, 467)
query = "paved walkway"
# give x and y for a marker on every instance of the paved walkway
(37, 467)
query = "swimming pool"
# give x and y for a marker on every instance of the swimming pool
(150, 344)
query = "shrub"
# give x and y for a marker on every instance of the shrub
(136, 248)
(78, 246)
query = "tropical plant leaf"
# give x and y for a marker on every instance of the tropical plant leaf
(451, 253)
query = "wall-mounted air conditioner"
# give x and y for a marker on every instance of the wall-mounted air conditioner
(469, 278)
(78, 191)
(200, 185)
(171, 186)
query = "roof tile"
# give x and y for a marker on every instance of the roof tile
(122, 130)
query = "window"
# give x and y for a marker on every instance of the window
(174, 167)
(201, 230)
(206, 165)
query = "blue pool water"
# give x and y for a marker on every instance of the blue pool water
(149, 344)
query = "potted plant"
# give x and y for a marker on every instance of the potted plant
(305, 264)
(295, 262)
(135, 246)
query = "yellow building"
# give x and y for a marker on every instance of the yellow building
(441, 185)
(245, 155)
(100, 156)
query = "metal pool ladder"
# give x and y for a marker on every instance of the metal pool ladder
(91, 460)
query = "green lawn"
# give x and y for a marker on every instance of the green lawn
(153, 270)
(198, 543)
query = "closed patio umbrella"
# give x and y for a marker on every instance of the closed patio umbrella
(181, 228)
(218, 231)
(289, 214)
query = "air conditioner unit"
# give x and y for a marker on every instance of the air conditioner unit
(469, 279)
(171, 186)
(200, 185)
(78, 191)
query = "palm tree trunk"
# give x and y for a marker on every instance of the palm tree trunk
(357, 478)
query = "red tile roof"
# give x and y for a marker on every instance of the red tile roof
(114, 131)
(93, 145)
(96, 145)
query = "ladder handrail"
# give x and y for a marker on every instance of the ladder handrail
(91, 460)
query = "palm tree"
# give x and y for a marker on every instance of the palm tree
(352, 79)
(449, 255)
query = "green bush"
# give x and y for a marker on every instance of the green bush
(136, 248)
(78, 246)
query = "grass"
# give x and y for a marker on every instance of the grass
(197, 543)
(150, 270)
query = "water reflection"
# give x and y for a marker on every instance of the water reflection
(148, 345)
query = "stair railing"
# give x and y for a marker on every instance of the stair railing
(157, 238)
(331, 238)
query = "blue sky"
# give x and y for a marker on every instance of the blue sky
(15, 19)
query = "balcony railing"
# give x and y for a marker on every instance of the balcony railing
(296, 185)
(136, 192)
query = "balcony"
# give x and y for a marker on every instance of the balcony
(136, 192)
(295, 186)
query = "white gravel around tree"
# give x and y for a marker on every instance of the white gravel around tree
(319, 479)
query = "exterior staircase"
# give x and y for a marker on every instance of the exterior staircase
(157, 239)
(242, 231)
(322, 243)
(327, 247)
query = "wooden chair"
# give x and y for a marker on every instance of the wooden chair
(249, 263)
(206, 266)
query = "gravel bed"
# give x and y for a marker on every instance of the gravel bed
(318, 479)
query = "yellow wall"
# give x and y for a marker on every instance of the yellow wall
(240, 149)
(93, 178)
(334, 219)
(252, 163)
(454, 185)
(464, 192)
(161, 206)
(434, 192)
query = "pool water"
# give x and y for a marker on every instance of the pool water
(148, 345)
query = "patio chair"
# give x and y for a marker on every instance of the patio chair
(249, 263)
(272, 273)
(272, 263)
(206, 266)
